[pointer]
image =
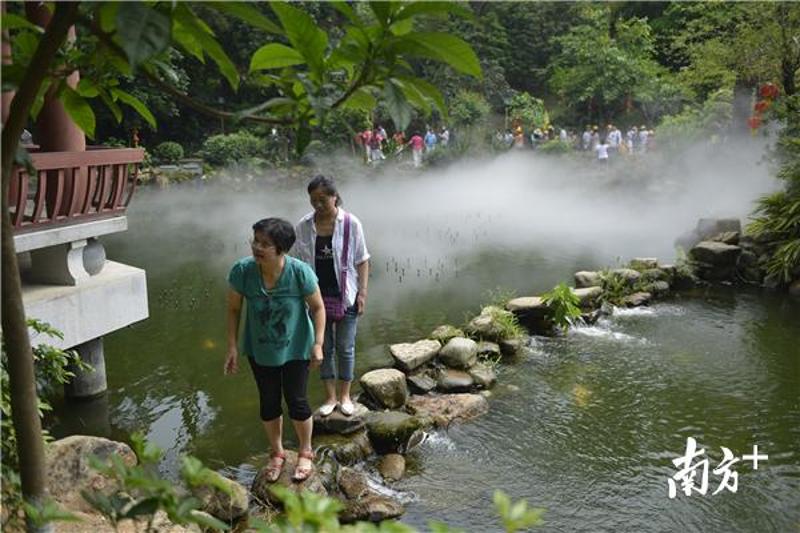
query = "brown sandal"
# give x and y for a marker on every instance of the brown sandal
(302, 473)
(275, 467)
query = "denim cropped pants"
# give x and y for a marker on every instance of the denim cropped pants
(339, 348)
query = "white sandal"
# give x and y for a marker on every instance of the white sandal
(347, 408)
(326, 409)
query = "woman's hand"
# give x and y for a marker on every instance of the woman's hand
(361, 302)
(316, 356)
(231, 362)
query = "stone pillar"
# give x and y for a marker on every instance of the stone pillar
(89, 383)
(61, 264)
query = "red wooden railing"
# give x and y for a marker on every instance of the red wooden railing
(72, 187)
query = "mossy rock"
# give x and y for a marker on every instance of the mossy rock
(445, 333)
(389, 431)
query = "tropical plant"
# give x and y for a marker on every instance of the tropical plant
(563, 303)
(776, 220)
(529, 111)
(516, 515)
(54, 368)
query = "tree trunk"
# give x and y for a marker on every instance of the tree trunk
(22, 384)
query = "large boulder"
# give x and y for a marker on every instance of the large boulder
(355, 449)
(389, 431)
(226, 505)
(531, 312)
(352, 483)
(459, 352)
(69, 471)
(261, 487)
(637, 299)
(386, 386)
(421, 382)
(445, 408)
(643, 263)
(715, 260)
(489, 349)
(513, 346)
(491, 324)
(451, 380)
(409, 356)
(589, 296)
(373, 508)
(629, 275)
(445, 333)
(483, 375)
(587, 278)
(392, 467)
(336, 422)
(727, 237)
(706, 229)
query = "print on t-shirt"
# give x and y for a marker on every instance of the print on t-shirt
(272, 316)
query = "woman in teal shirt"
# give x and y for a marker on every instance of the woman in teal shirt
(279, 339)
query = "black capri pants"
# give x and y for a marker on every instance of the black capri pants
(292, 379)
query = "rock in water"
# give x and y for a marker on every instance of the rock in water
(455, 381)
(386, 386)
(586, 278)
(392, 467)
(389, 431)
(409, 356)
(261, 486)
(459, 352)
(445, 408)
(336, 422)
(219, 503)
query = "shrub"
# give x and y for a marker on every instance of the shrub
(168, 152)
(468, 109)
(555, 147)
(232, 148)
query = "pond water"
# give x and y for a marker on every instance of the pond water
(585, 426)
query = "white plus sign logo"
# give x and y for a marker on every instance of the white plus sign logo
(755, 457)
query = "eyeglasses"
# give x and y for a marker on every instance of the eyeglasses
(258, 244)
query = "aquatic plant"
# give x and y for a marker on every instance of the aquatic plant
(506, 322)
(564, 304)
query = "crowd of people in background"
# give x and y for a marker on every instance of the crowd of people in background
(602, 144)
(374, 141)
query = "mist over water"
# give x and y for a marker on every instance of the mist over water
(516, 201)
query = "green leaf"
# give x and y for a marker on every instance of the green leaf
(208, 521)
(402, 27)
(303, 139)
(87, 88)
(247, 13)
(111, 105)
(397, 105)
(135, 103)
(38, 102)
(429, 90)
(361, 98)
(304, 35)
(275, 55)
(78, 110)
(414, 95)
(143, 32)
(442, 47)
(148, 506)
(345, 9)
(185, 38)
(108, 15)
(382, 11)
(272, 103)
(202, 34)
(12, 21)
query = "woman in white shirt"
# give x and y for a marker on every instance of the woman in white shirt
(332, 242)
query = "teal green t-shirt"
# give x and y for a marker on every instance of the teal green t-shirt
(277, 326)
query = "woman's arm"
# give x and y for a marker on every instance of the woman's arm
(317, 309)
(233, 316)
(363, 278)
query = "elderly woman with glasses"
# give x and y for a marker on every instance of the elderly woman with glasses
(282, 338)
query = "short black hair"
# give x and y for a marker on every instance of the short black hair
(327, 185)
(279, 231)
